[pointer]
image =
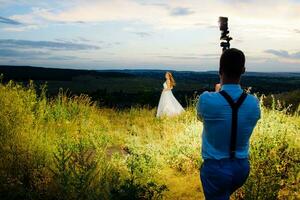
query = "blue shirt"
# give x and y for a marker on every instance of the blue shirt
(216, 114)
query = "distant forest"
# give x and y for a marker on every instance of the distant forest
(126, 88)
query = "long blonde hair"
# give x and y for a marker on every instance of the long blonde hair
(171, 78)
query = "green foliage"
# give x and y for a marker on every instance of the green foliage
(140, 184)
(289, 101)
(275, 158)
(75, 170)
(68, 148)
(184, 154)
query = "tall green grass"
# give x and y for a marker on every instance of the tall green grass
(68, 148)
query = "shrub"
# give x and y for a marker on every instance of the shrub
(68, 148)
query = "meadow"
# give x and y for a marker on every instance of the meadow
(68, 147)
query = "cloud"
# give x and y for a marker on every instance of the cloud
(29, 54)
(23, 54)
(10, 43)
(180, 57)
(161, 15)
(211, 56)
(193, 28)
(9, 21)
(283, 54)
(76, 40)
(155, 14)
(21, 28)
(84, 39)
(62, 58)
(142, 34)
(180, 11)
(162, 5)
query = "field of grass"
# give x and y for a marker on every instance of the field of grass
(69, 148)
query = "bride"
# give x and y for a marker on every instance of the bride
(168, 104)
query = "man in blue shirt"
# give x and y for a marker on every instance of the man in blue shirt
(229, 116)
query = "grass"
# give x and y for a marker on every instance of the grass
(68, 148)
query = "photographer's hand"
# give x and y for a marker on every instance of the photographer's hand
(218, 87)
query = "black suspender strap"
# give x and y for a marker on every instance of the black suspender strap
(234, 120)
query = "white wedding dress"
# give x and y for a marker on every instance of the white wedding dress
(168, 104)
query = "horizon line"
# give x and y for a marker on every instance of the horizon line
(147, 69)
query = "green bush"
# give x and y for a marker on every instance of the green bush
(68, 148)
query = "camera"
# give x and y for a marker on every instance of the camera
(223, 23)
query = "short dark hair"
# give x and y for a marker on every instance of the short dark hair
(232, 63)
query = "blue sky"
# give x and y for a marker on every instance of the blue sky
(130, 34)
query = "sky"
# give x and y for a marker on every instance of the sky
(148, 34)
